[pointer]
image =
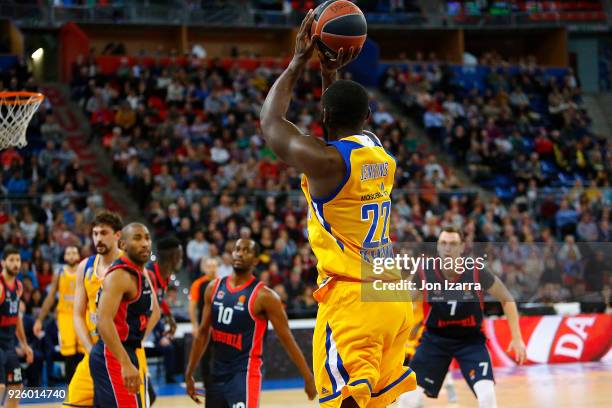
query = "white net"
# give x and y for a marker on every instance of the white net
(16, 111)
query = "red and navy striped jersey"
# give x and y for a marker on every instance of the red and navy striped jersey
(9, 312)
(237, 333)
(159, 285)
(133, 315)
(451, 312)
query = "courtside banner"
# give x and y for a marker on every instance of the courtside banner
(553, 339)
(549, 340)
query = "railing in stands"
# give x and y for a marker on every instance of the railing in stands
(235, 14)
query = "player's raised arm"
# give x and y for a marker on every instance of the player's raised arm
(47, 305)
(80, 308)
(271, 305)
(200, 342)
(116, 287)
(308, 154)
(499, 291)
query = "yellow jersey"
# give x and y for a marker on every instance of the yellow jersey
(349, 228)
(92, 283)
(65, 290)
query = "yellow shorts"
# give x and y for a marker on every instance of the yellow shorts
(359, 348)
(81, 388)
(68, 339)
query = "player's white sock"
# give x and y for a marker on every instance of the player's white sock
(485, 392)
(449, 386)
(412, 399)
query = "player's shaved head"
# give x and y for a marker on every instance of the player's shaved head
(136, 241)
(346, 107)
(132, 228)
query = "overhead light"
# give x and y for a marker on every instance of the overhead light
(38, 54)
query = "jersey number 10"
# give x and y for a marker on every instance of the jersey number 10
(225, 315)
(373, 212)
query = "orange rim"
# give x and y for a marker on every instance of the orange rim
(20, 98)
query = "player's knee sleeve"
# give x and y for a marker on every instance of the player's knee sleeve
(412, 399)
(485, 392)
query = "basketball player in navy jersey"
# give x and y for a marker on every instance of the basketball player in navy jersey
(11, 325)
(235, 317)
(453, 320)
(127, 311)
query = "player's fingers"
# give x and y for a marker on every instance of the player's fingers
(340, 54)
(350, 54)
(305, 22)
(309, 20)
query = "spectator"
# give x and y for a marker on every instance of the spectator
(197, 248)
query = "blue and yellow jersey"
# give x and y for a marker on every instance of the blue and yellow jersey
(92, 283)
(65, 289)
(350, 228)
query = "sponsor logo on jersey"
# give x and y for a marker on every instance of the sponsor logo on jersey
(220, 294)
(240, 304)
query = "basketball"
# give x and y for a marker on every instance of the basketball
(338, 24)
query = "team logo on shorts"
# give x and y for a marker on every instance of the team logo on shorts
(324, 391)
(220, 294)
(472, 374)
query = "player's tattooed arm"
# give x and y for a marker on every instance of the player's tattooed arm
(200, 343)
(269, 304)
(499, 291)
(47, 305)
(80, 308)
(116, 287)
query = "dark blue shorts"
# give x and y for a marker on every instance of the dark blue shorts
(435, 353)
(109, 390)
(10, 369)
(239, 390)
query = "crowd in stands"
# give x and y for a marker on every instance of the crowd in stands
(524, 134)
(185, 139)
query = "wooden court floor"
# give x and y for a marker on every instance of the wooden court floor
(559, 386)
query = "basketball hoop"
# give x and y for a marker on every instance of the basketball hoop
(16, 111)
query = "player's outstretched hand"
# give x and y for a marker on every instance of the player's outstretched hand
(191, 389)
(518, 347)
(329, 66)
(131, 378)
(310, 388)
(304, 43)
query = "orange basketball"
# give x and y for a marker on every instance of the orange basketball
(338, 24)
